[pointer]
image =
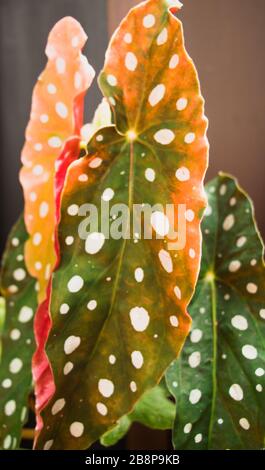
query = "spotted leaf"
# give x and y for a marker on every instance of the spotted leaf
(56, 115)
(219, 379)
(119, 302)
(18, 290)
(154, 410)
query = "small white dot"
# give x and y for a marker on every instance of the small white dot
(157, 94)
(249, 352)
(75, 284)
(106, 387)
(189, 138)
(61, 110)
(128, 38)
(150, 175)
(162, 37)
(92, 304)
(198, 438)
(112, 80)
(252, 288)
(60, 65)
(48, 444)
(195, 396)
(241, 241)
(183, 174)
(77, 429)
(164, 136)
(71, 344)
(102, 409)
(38, 147)
(182, 104)
(236, 392)
(108, 194)
(133, 387)
(15, 365)
(229, 222)
(95, 163)
(37, 170)
(10, 407)
(51, 89)
(139, 274)
(137, 359)
(174, 321)
(55, 142)
(112, 359)
(149, 21)
(37, 238)
(58, 406)
(174, 61)
(75, 41)
(68, 367)
(83, 178)
(69, 240)
(244, 423)
(73, 210)
(259, 372)
(262, 313)
(64, 309)
(187, 428)
(131, 61)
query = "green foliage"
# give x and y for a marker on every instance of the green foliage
(219, 378)
(17, 339)
(154, 410)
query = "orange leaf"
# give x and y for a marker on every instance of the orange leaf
(56, 115)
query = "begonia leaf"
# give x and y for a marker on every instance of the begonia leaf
(56, 115)
(17, 340)
(52, 143)
(118, 306)
(219, 379)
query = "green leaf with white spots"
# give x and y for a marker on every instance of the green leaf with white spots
(220, 376)
(118, 305)
(154, 410)
(17, 339)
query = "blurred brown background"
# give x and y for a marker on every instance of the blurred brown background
(226, 41)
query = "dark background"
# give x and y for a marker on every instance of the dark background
(226, 40)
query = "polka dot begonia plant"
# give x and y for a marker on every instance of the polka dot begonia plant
(111, 312)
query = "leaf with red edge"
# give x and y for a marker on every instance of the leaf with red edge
(56, 115)
(52, 143)
(42, 373)
(119, 306)
(17, 340)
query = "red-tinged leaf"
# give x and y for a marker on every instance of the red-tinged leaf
(17, 341)
(42, 373)
(56, 115)
(219, 379)
(119, 306)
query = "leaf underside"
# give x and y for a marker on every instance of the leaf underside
(119, 314)
(16, 338)
(219, 378)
